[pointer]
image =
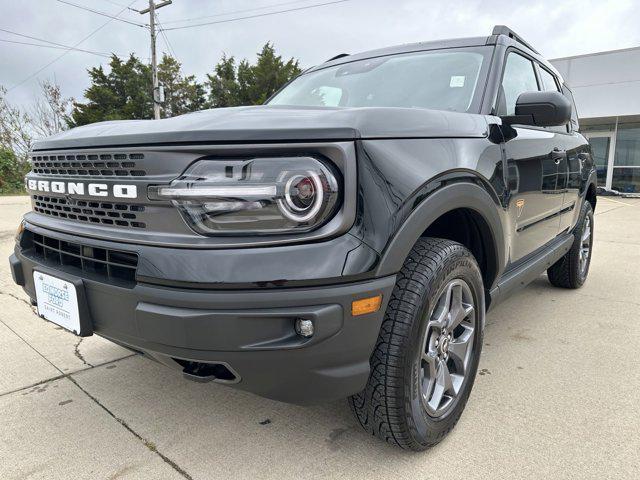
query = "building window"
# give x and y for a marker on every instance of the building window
(626, 168)
(600, 153)
(626, 180)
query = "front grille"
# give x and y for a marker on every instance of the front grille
(112, 265)
(102, 165)
(105, 213)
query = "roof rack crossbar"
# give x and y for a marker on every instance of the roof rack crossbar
(504, 30)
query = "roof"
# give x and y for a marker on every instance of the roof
(405, 48)
(501, 35)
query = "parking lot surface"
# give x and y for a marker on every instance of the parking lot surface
(557, 396)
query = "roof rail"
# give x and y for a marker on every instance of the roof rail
(340, 55)
(504, 30)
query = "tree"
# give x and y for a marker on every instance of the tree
(125, 93)
(16, 134)
(19, 127)
(247, 84)
(51, 111)
(122, 94)
(12, 172)
(223, 84)
(182, 94)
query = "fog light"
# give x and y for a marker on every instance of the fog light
(304, 328)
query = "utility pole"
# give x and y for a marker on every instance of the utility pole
(158, 96)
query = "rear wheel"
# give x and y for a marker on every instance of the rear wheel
(427, 354)
(572, 269)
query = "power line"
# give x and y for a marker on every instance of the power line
(256, 16)
(235, 11)
(115, 3)
(53, 46)
(120, 5)
(74, 46)
(158, 92)
(53, 43)
(165, 38)
(98, 12)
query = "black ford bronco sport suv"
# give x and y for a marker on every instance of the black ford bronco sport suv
(344, 240)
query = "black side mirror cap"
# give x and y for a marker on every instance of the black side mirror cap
(541, 109)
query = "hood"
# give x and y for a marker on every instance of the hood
(272, 123)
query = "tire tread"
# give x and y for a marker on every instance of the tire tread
(381, 408)
(565, 273)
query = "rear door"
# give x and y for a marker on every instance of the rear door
(533, 159)
(574, 146)
(579, 163)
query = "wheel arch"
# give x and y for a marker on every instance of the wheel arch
(590, 195)
(452, 199)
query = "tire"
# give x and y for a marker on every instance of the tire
(569, 271)
(392, 406)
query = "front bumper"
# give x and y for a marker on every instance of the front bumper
(250, 332)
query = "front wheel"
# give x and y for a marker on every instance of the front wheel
(572, 269)
(425, 361)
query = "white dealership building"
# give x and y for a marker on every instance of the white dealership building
(606, 87)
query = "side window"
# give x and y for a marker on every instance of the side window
(548, 81)
(575, 125)
(519, 77)
(549, 85)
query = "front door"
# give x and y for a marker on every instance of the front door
(534, 158)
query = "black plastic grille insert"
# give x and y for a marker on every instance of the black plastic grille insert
(102, 165)
(105, 213)
(110, 264)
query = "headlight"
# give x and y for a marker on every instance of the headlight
(254, 196)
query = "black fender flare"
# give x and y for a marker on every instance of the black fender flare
(592, 180)
(450, 197)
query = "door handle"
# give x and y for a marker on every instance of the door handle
(558, 155)
(583, 157)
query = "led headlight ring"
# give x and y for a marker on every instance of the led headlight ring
(302, 214)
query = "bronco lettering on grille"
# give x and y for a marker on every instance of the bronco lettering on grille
(79, 188)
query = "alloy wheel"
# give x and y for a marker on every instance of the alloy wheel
(447, 348)
(585, 246)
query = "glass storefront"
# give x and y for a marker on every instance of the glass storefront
(626, 180)
(626, 165)
(616, 152)
(600, 151)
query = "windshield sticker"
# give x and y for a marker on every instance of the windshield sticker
(457, 81)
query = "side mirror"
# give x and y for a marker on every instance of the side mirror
(542, 109)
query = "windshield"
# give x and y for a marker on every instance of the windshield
(437, 79)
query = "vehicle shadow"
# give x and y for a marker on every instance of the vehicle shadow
(250, 435)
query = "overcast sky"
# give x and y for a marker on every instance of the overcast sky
(556, 28)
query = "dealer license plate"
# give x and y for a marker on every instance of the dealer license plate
(57, 301)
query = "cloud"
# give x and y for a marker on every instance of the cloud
(555, 28)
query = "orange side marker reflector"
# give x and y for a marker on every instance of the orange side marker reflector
(366, 305)
(20, 230)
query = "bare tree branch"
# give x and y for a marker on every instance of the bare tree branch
(19, 128)
(50, 111)
(15, 131)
